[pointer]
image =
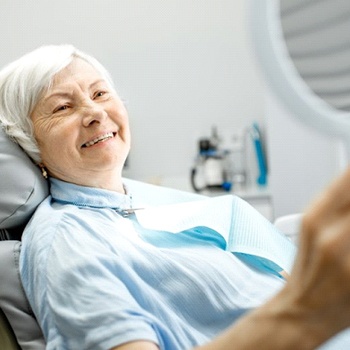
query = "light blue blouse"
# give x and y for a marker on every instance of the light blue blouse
(96, 279)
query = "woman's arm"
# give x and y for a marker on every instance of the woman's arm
(314, 305)
(266, 328)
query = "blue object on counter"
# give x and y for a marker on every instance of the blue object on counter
(227, 186)
(256, 136)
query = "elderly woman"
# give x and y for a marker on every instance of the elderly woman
(99, 280)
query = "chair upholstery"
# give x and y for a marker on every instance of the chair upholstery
(13, 301)
(7, 338)
(22, 188)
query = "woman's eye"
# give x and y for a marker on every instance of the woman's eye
(99, 94)
(60, 108)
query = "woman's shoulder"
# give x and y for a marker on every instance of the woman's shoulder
(54, 223)
(47, 221)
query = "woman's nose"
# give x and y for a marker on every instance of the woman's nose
(92, 113)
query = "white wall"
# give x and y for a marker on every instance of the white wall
(181, 65)
(302, 161)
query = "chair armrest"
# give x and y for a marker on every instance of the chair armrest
(290, 225)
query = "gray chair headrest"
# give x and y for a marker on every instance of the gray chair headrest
(22, 186)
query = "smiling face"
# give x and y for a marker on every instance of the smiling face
(82, 128)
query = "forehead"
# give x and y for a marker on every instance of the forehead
(78, 71)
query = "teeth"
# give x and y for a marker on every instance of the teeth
(99, 139)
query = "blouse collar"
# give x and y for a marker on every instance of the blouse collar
(84, 196)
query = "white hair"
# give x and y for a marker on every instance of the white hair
(22, 83)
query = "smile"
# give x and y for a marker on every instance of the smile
(101, 138)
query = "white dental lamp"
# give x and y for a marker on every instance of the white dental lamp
(303, 47)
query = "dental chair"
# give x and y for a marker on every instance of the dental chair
(21, 189)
